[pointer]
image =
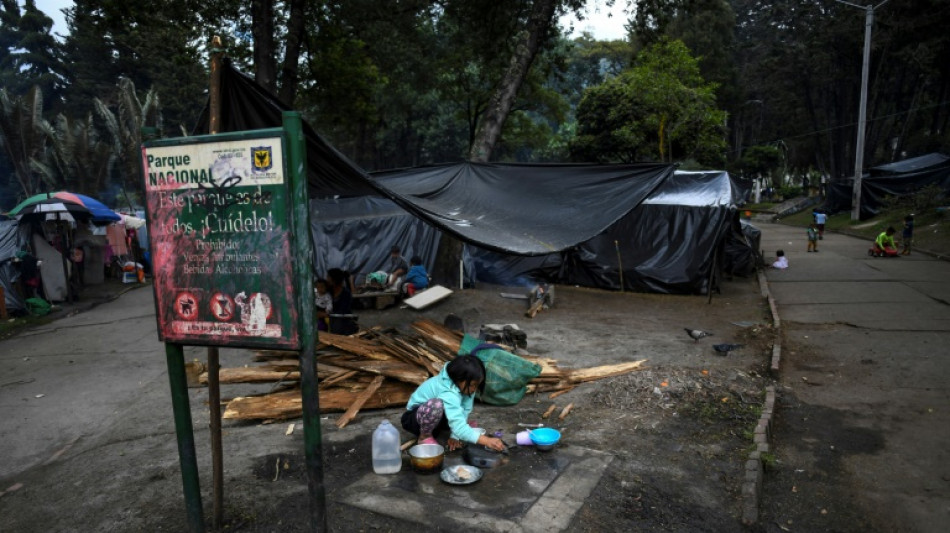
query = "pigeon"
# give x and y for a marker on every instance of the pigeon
(697, 334)
(724, 349)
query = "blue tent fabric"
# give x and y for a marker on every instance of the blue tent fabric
(100, 213)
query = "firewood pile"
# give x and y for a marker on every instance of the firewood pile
(375, 369)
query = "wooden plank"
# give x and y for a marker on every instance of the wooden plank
(534, 308)
(288, 404)
(360, 346)
(582, 375)
(350, 413)
(338, 377)
(554, 395)
(397, 370)
(566, 411)
(251, 375)
(428, 297)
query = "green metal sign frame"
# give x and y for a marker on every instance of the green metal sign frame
(283, 238)
(221, 240)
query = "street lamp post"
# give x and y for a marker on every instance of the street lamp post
(863, 107)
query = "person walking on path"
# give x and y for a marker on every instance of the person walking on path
(820, 219)
(812, 238)
(907, 235)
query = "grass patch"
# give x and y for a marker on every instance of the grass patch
(931, 228)
(12, 326)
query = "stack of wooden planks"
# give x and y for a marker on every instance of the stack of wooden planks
(375, 369)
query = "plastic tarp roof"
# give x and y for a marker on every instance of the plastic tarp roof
(895, 179)
(520, 209)
(245, 105)
(524, 209)
(671, 243)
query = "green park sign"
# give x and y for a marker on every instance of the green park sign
(221, 240)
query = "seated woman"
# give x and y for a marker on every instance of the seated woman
(417, 279)
(342, 320)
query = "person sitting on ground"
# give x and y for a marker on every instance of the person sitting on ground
(341, 319)
(445, 401)
(397, 269)
(781, 262)
(907, 235)
(885, 242)
(417, 279)
(813, 237)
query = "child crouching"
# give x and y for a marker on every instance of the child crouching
(445, 401)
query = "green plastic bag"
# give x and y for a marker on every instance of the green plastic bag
(506, 374)
(38, 306)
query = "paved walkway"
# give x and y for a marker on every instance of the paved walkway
(864, 416)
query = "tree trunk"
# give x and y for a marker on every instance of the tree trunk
(262, 31)
(540, 20)
(289, 73)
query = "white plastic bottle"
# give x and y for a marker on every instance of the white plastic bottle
(386, 457)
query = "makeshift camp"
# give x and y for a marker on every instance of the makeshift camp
(12, 240)
(898, 179)
(673, 242)
(557, 221)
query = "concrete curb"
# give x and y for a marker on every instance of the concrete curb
(754, 471)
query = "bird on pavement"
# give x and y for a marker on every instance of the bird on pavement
(724, 349)
(697, 334)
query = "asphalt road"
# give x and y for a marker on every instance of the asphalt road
(864, 413)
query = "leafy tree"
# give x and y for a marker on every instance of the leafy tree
(78, 159)
(124, 126)
(153, 44)
(661, 109)
(29, 55)
(24, 136)
(761, 162)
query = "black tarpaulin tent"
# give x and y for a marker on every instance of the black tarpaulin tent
(671, 243)
(516, 210)
(894, 179)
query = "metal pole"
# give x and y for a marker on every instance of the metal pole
(214, 389)
(862, 117)
(303, 272)
(619, 263)
(217, 455)
(175, 356)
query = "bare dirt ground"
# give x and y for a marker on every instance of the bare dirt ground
(679, 430)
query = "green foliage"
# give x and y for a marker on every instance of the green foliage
(155, 45)
(661, 109)
(29, 54)
(78, 160)
(760, 161)
(24, 136)
(925, 200)
(124, 122)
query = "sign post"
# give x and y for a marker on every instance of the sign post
(303, 271)
(232, 261)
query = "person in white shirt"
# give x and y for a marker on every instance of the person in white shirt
(781, 262)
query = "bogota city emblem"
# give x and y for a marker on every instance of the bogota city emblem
(262, 158)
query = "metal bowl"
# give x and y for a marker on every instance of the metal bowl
(426, 458)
